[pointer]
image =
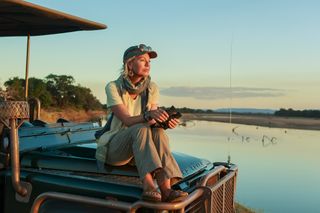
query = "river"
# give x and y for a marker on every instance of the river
(278, 168)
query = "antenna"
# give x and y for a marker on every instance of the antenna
(230, 81)
(230, 89)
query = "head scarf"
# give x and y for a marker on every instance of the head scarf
(134, 89)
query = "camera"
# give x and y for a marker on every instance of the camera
(173, 113)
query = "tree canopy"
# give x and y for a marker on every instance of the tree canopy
(298, 113)
(54, 91)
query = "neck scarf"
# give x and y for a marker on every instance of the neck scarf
(134, 89)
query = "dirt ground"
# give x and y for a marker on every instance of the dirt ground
(75, 115)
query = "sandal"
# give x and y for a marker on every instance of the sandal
(175, 196)
(153, 196)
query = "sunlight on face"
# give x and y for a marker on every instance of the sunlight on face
(141, 65)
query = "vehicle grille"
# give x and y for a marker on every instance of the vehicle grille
(218, 198)
(222, 199)
(197, 206)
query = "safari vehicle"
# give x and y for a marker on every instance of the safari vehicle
(51, 167)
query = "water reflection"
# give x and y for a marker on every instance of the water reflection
(237, 136)
(278, 168)
(265, 140)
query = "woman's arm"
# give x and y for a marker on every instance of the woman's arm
(155, 113)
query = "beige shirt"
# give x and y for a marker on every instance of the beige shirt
(133, 106)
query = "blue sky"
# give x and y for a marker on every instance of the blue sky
(275, 51)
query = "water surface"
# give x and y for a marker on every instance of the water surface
(278, 168)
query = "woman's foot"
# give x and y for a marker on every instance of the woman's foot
(174, 196)
(150, 193)
(153, 196)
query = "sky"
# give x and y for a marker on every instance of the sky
(211, 54)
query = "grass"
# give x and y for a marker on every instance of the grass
(243, 209)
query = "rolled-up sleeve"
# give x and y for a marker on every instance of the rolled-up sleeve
(113, 96)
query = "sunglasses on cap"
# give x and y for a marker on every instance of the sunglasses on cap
(144, 48)
(138, 50)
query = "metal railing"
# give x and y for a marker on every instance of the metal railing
(216, 198)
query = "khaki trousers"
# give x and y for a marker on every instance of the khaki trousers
(150, 149)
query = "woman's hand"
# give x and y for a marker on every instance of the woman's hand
(159, 115)
(173, 123)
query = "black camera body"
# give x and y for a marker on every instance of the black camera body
(173, 113)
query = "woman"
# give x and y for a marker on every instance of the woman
(133, 100)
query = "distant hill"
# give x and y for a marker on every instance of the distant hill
(246, 110)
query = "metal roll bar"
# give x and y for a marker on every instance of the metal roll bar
(119, 205)
(15, 162)
(14, 112)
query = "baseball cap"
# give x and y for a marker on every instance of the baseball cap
(138, 50)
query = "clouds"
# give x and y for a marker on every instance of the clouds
(210, 93)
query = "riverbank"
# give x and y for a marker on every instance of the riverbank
(258, 120)
(75, 115)
(243, 209)
(70, 114)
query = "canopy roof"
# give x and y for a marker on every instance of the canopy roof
(20, 18)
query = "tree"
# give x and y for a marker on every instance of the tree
(55, 91)
(83, 98)
(38, 89)
(2, 94)
(298, 113)
(15, 87)
(60, 86)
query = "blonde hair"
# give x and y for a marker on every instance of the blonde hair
(125, 68)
